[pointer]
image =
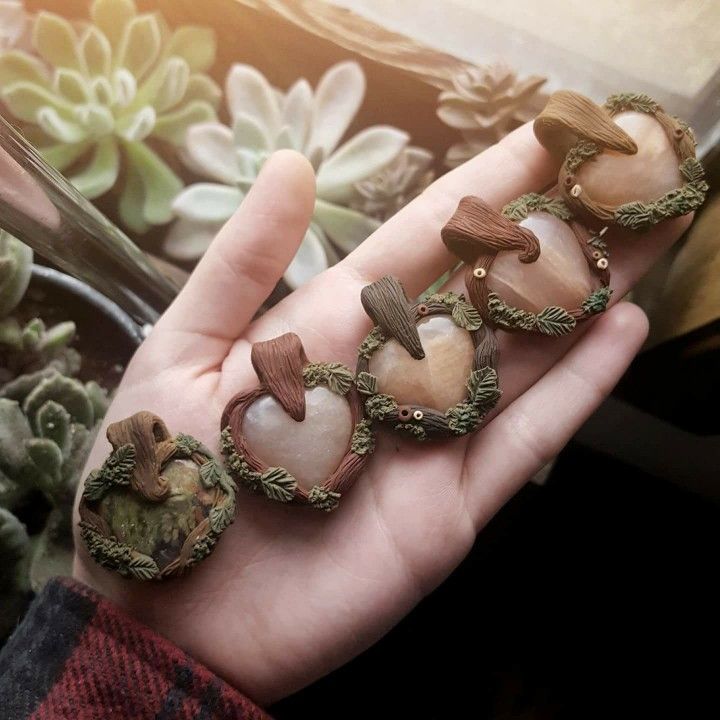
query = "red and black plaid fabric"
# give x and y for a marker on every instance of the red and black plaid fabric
(77, 656)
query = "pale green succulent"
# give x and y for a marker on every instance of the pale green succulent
(99, 94)
(15, 266)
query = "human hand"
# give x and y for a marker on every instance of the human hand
(290, 594)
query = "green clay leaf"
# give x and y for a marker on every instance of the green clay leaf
(143, 567)
(335, 375)
(483, 388)
(466, 316)
(373, 342)
(519, 209)
(597, 301)
(555, 321)
(186, 445)
(366, 383)
(278, 484)
(116, 470)
(221, 517)
(210, 473)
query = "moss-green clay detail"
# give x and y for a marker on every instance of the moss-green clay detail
(236, 463)
(415, 429)
(448, 298)
(335, 375)
(366, 383)
(322, 499)
(116, 470)
(597, 302)
(520, 208)
(463, 418)
(579, 153)
(113, 555)
(363, 440)
(483, 388)
(639, 102)
(373, 342)
(466, 316)
(278, 484)
(551, 320)
(380, 405)
(186, 445)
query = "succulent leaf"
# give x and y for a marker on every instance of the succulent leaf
(53, 423)
(15, 266)
(14, 432)
(66, 391)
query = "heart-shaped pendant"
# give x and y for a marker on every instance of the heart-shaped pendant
(533, 266)
(627, 162)
(427, 370)
(300, 435)
(158, 504)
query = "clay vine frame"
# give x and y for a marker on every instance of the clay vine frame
(142, 447)
(561, 115)
(417, 421)
(276, 483)
(477, 233)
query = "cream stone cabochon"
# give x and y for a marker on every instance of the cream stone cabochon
(560, 276)
(613, 178)
(310, 450)
(439, 380)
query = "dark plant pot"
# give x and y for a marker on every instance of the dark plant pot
(107, 336)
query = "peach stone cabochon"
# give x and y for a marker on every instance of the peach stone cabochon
(612, 178)
(439, 380)
(310, 450)
(560, 276)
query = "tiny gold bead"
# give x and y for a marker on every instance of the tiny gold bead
(602, 263)
(418, 415)
(479, 273)
(576, 190)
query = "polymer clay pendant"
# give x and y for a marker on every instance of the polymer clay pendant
(627, 162)
(427, 370)
(158, 504)
(531, 268)
(299, 437)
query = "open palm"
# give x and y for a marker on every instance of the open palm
(290, 593)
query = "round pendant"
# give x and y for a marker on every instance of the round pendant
(158, 504)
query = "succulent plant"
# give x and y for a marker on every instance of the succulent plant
(382, 195)
(48, 420)
(15, 265)
(485, 104)
(264, 120)
(97, 96)
(14, 23)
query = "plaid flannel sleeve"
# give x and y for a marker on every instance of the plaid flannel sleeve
(77, 656)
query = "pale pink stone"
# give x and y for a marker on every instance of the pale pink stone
(310, 450)
(439, 380)
(560, 276)
(613, 178)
